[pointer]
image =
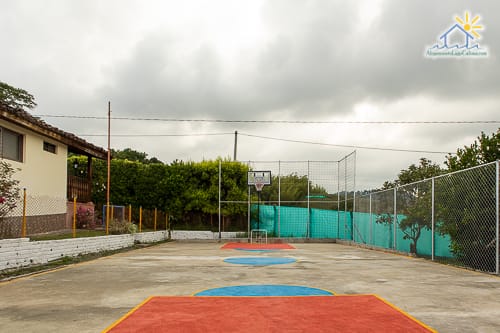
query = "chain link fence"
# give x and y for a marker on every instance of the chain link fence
(306, 199)
(38, 214)
(34, 214)
(452, 218)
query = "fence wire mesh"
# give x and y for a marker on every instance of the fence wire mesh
(452, 218)
(466, 210)
(42, 214)
(310, 199)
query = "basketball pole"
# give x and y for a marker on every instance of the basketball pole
(258, 211)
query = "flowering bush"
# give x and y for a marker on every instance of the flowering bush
(9, 189)
(85, 218)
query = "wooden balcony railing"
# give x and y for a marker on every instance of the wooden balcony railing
(79, 187)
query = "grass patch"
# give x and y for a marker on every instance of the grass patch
(64, 261)
(79, 233)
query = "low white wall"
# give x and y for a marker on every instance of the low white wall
(190, 234)
(150, 237)
(21, 252)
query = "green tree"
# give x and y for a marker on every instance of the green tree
(293, 190)
(466, 202)
(465, 205)
(424, 170)
(188, 191)
(483, 150)
(16, 97)
(133, 155)
(9, 189)
(413, 200)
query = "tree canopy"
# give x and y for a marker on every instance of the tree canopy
(414, 201)
(133, 155)
(483, 150)
(16, 97)
(188, 191)
(424, 170)
(464, 205)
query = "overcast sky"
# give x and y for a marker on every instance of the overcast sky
(322, 61)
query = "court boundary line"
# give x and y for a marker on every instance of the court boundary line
(405, 313)
(128, 314)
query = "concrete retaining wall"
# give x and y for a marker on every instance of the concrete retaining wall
(195, 235)
(19, 252)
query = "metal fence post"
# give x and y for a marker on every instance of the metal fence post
(249, 218)
(338, 199)
(308, 202)
(345, 197)
(371, 221)
(279, 199)
(140, 218)
(497, 216)
(432, 220)
(395, 219)
(156, 214)
(220, 185)
(354, 197)
(23, 223)
(74, 216)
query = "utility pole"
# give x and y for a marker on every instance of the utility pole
(109, 168)
(235, 143)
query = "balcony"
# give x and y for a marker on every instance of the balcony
(80, 187)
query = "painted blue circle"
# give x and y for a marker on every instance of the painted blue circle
(265, 290)
(260, 261)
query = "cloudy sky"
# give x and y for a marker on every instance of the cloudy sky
(315, 63)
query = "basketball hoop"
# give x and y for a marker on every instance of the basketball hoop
(259, 186)
(258, 179)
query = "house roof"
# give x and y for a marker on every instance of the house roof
(75, 144)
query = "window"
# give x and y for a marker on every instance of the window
(11, 145)
(51, 148)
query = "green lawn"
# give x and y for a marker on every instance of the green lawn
(79, 233)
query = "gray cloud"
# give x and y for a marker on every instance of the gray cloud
(312, 60)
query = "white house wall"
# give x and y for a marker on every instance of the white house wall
(43, 174)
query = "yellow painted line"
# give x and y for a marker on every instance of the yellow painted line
(128, 314)
(53, 270)
(27, 276)
(48, 271)
(406, 314)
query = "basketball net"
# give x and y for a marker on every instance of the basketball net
(259, 186)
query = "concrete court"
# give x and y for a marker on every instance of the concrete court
(91, 296)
